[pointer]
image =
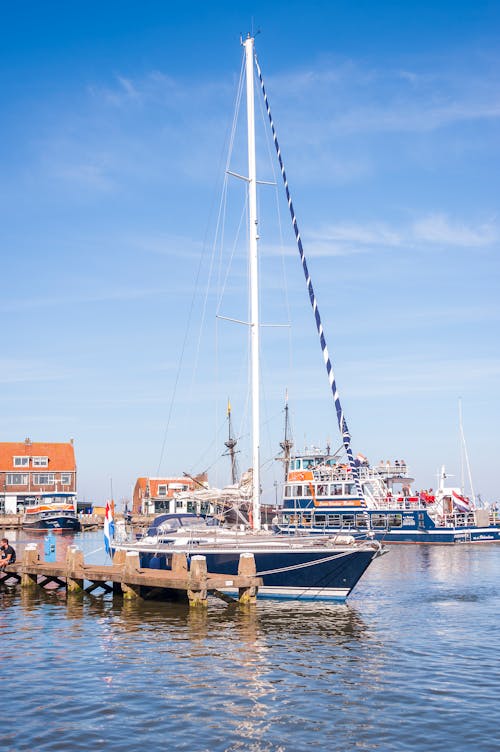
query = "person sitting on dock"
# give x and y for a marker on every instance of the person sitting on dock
(8, 555)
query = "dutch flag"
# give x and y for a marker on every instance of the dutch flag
(109, 527)
(462, 503)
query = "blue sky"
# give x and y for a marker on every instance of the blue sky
(113, 139)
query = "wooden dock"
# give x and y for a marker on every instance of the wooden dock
(127, 579)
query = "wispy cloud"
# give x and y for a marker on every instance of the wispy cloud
(392, 376)
(435, 230)
(18, 370)
(438, 229)
(33, 302)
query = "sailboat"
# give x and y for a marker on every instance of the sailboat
(300, 567)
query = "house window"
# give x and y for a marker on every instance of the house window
(44, 479)
(162, 490)
(66, 479)
(40, 461)
(16, 479)
(21, 461)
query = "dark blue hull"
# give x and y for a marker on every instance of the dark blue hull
(441, 535)
(393, 526)
(57, 523)
(317, 575)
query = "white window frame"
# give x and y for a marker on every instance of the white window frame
(40, 461)
(49, 482)
(10, 482)
(66, 479)
(162, 490)
(21, 461)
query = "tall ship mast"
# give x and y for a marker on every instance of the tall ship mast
(231, 447)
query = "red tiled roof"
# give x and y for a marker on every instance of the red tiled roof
(61, 456)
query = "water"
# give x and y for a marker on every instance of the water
(411, 663)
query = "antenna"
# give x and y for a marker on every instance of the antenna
(464, 455)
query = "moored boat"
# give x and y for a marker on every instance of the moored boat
(52, 511)
(320, 496)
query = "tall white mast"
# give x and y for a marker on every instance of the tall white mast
(254, 280)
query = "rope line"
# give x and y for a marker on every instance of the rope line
(291, 568)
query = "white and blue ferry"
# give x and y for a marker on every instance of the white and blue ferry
(323, 495)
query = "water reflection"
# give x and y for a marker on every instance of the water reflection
(388, 671)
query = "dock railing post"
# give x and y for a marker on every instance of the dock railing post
(74, 565)
(30, 558)
(131, 566)
(197, 591)
(246, 567)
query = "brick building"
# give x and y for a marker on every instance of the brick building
(155, 495)
(30, 468)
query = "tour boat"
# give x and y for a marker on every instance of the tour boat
(321, 496)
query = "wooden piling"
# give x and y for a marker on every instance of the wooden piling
(246, 567)
(30, 557)
(130, 568)
(74, 562)
(197, 590)
(179, 563)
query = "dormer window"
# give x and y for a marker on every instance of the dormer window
(40, 461)
(162, 490)
(21, 461)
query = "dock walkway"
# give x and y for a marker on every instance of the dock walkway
(127, 579)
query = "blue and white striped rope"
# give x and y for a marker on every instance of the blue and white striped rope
(346, 437)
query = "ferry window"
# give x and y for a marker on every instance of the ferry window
(43, 479)
(21, 461)
(395, 520)
(40, 461)
(306, 518)
(348, 520)
(307, 464)
(320, 519)
(16, 479)
(288, 491)
(162, 490)
(378, 520)
(336, 489)
(322, 490)
(296, 490)
(334, 520)
(361, 520)
(307, 490)
(350, 489)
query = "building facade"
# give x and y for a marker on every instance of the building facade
(29, 469)
(156, 495)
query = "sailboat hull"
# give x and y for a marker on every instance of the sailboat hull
(296, 575)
